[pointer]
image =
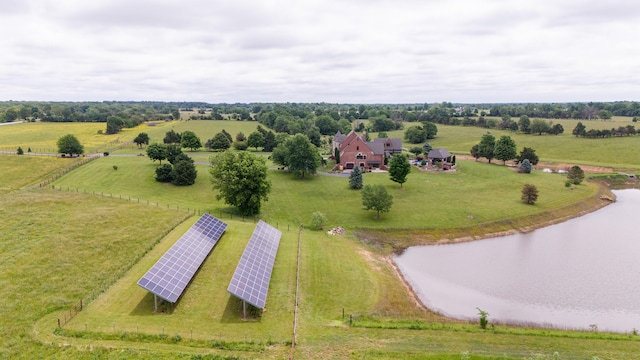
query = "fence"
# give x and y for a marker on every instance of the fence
(67, 316)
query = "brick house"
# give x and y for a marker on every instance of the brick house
(356, 151)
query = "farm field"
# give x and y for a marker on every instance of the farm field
(618, 153)
(94, 231)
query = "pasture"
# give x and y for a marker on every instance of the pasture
(100, 229)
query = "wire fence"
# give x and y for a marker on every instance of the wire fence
(68, 315)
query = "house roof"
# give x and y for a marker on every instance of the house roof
(396, 143)
(338, 137)
(438, 153)
(376, 147)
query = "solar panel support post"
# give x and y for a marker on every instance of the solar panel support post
(155, 303)
(244, 310)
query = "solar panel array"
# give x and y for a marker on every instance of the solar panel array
(170, 275)
(251, 279)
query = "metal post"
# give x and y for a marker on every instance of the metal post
(155, 303)
(244, 310)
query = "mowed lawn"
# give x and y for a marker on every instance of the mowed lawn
(475, 194)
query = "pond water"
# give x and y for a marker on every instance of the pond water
(580, 274)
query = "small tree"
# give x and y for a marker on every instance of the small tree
(157, 152)
(483, 318)
(487, 146)
(399, 168)
(416, 150)
(426, 147)
(190, 140)
(241, 179)
(171, 137)
(20, 151)
(219, 142)
(318, 220)
(529, 194)
(530, 154)
(141, 139)
(336, 155)
(376, 197)
(525, 167)
(505, 149)
(355, 178)
(69, 144)
(575, 175)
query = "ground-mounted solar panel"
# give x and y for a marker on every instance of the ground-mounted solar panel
(250, 282)
(170, 275)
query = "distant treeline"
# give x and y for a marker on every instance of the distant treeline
(313, 119)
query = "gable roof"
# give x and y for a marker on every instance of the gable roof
(396, 143)
(338, 137)
(438, 153)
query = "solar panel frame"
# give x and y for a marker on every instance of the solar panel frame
(171, 274)
(250, 281)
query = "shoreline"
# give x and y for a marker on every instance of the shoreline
(593, 204)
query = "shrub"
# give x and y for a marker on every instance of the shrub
(483, 318)
(240, 145)
(525, 167)
(106, 153)
(318, 220)
(115, 167)
(20, 151)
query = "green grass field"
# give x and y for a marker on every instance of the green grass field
(100, 229)
(617, 153)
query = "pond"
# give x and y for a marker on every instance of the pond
(581, 274)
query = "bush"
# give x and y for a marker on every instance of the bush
(525, 167)
(115, 167)
(318, 220)
(240, 145)
(106, 153)
(20, 151)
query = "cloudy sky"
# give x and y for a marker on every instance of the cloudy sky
(344, 51)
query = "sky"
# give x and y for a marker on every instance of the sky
(336, 51)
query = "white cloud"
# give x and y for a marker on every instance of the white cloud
(337, 51)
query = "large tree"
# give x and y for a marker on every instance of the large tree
(190, 140)
(171, 137)
(219, 142)
(375, 197)
(524, 124)
(505, 149)
(399, 168)
(241, 179)
(487, 146)
(579, 130)
(298, 154)
(69, 144)
(540, 126)
(431, 129)
(415, 134)
(255, 139)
